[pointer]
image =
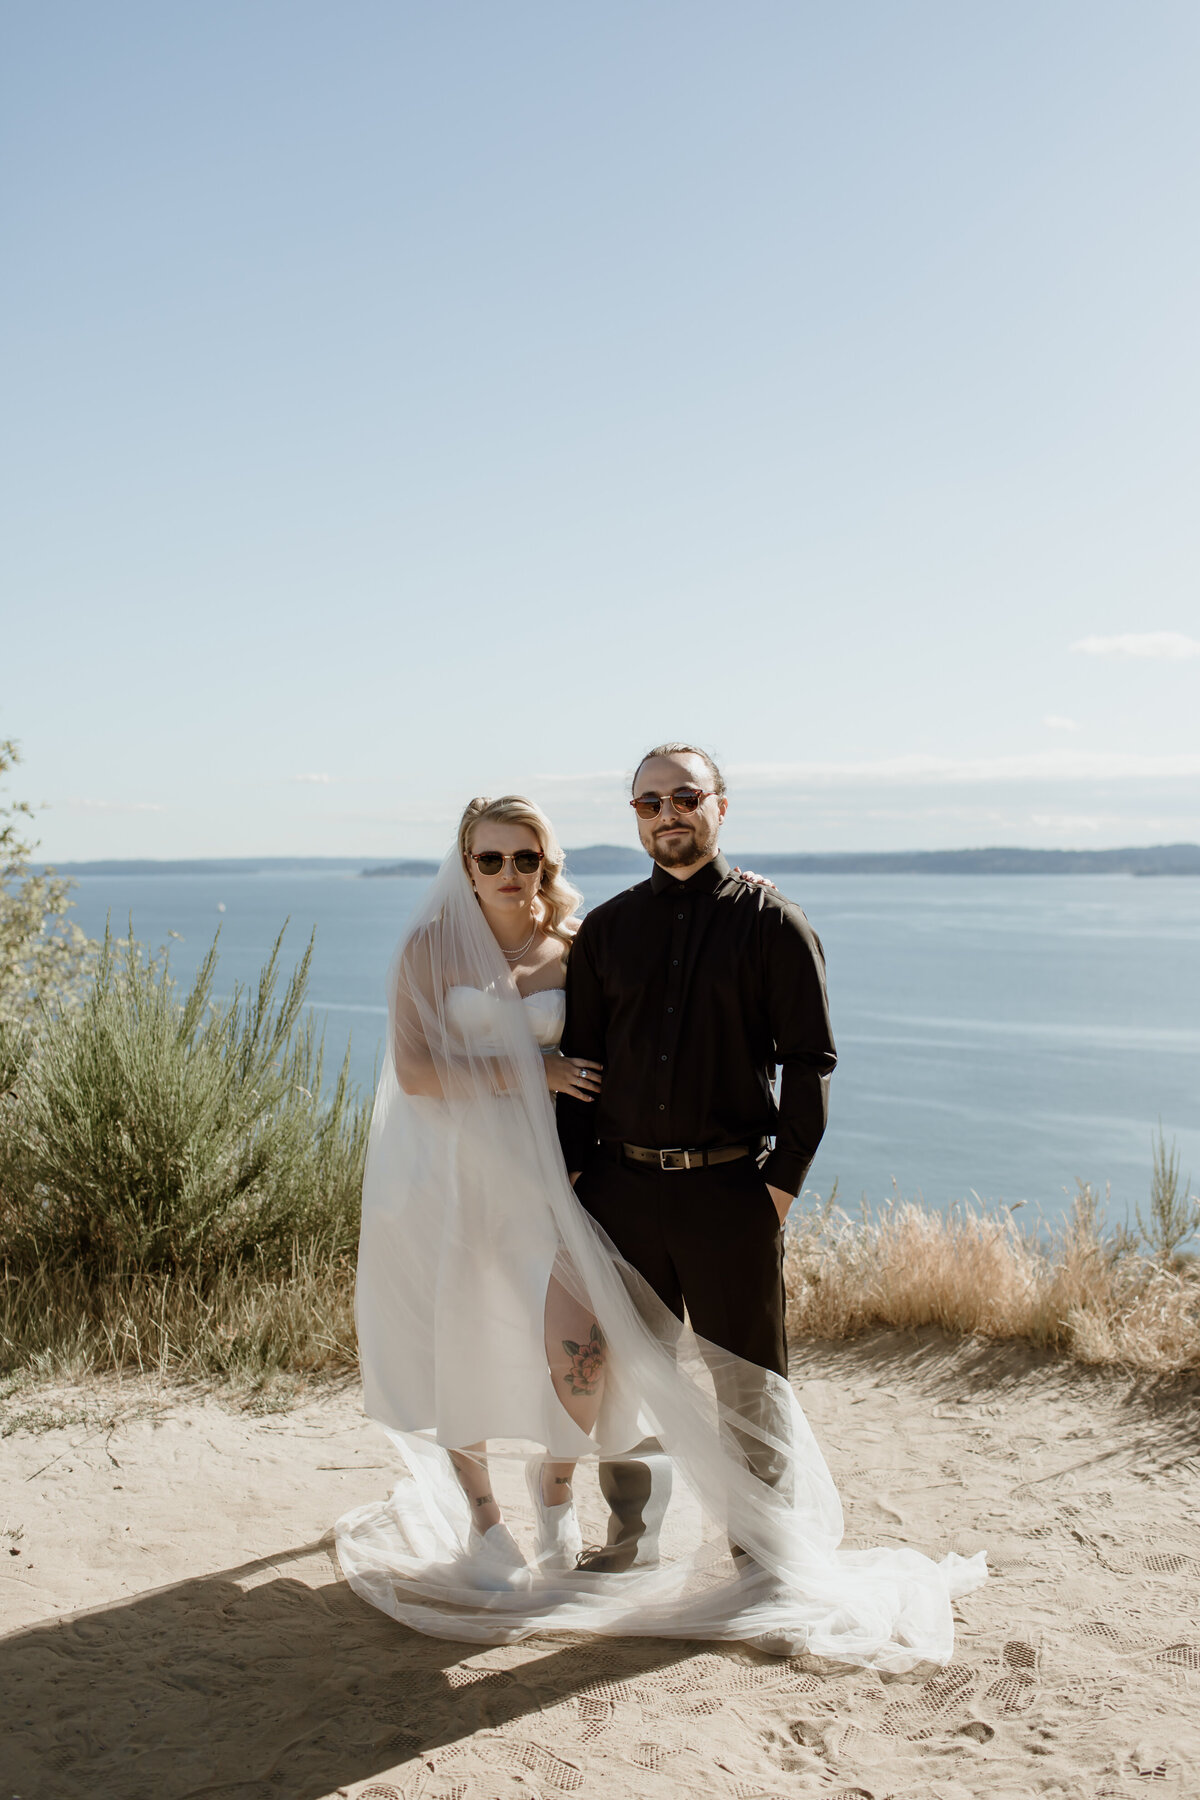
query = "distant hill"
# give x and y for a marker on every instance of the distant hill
(1161, 859)
(617, 859)
(414, 866)
(220, 865)
(594, 859)
(607, 859)
(620, 859)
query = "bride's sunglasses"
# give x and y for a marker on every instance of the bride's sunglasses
(683, 800)
(490, 862)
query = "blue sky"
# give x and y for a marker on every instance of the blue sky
(411, 401)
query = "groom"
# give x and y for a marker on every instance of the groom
(690, 988)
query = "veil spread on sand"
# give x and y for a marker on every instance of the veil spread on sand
(468, 1216)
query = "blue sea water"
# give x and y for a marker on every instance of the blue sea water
(1002, 1034)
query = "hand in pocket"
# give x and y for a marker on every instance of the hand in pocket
(782, 1201)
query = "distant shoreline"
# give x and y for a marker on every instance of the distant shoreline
(616, 859)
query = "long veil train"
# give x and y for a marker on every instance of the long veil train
(467, 1216)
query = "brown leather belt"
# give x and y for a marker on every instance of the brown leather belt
(684, 1159)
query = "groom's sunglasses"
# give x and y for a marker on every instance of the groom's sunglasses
(490, 862)
(683, 800)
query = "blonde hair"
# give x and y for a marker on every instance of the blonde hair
(556, 897)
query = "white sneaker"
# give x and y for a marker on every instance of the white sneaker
(780, 1641)
(494, 1561)
(559, 1539)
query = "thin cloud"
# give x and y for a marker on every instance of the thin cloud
(591, 776)
(1162, 646)
(81, 804)
(922, 769)
(314, 780)
(1070, 824)
(431, 812)
(1057, 723)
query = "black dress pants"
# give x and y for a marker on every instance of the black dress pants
(708, 1240)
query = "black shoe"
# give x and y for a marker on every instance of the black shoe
(608, 1559)
(637, 1493)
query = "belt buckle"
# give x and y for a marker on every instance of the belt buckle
(674, 1167)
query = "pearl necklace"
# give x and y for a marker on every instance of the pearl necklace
(513, 956)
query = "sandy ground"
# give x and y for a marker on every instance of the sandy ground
(175, 1626)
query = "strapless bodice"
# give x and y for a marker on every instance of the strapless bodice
(474, 1013)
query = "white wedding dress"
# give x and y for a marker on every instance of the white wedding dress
(467, 1216)
(452, 1285)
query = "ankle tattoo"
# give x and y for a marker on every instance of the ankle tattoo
(484, 1500)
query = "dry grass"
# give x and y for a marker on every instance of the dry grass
(241, 1322)
(1083, 1291)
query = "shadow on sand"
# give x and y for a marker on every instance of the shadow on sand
(272, 1691)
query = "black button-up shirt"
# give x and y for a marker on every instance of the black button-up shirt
(690, 992)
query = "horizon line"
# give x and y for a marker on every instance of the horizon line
(366, 859)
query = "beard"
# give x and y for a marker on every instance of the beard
(697, 842)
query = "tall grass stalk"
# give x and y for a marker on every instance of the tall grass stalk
(1174, 1216)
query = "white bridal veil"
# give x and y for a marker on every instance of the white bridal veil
(468, 1216)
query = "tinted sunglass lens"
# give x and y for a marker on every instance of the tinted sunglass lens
(683, 800)
(490, 862)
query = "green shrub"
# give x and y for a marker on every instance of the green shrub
(144, 1132)
(44, 957)
(1173, 1217)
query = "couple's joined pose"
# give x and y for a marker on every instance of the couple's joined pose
(575, 1254)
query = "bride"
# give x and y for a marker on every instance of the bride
(503, 1342)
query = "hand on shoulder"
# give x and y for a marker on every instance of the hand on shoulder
(755, 880)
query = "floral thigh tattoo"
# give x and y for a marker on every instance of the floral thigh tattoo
(587, 1360)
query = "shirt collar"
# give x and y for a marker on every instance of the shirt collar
(704, 881)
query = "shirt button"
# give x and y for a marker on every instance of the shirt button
(679, 915)
(670, 1009)
(675, 963)
(662, 1106)
(664, 1059)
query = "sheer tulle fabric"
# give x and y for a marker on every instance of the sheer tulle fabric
(468, 1216)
